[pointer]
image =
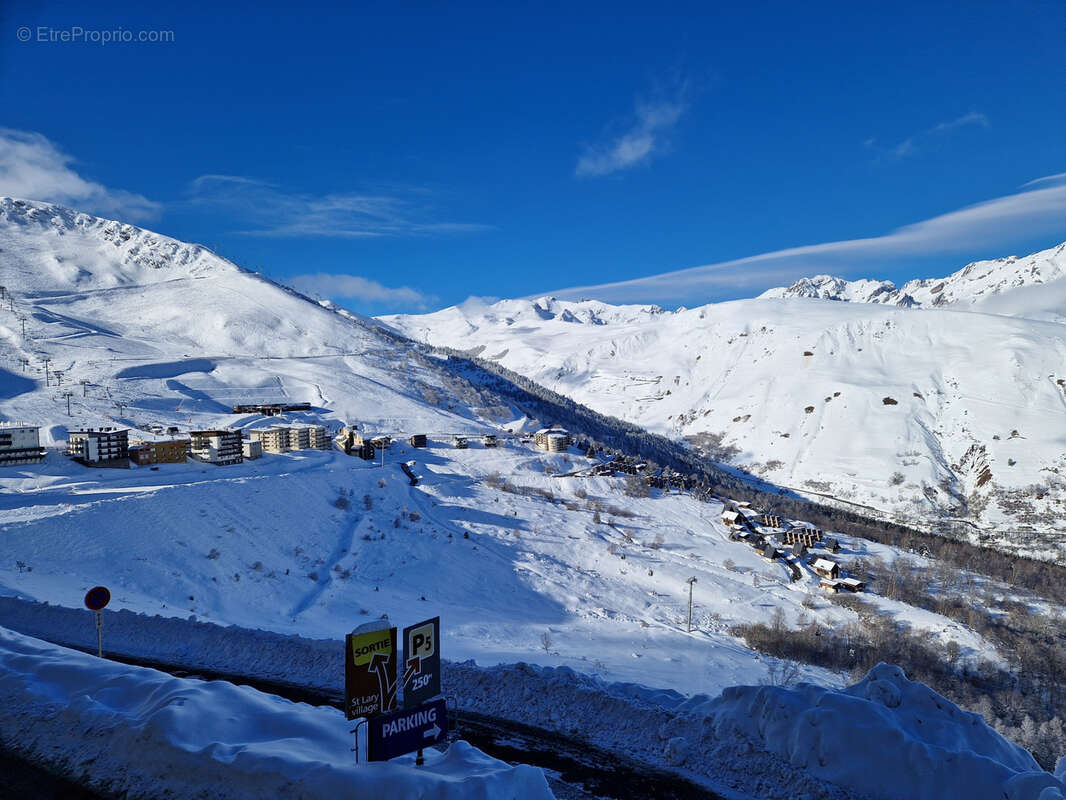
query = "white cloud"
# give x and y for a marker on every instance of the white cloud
(972, 118)
(911, 144)
(651, 126)
(32, 167)
(1040, 210)
(272, 212)
(355, 287)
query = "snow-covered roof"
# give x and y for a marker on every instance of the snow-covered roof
(824, 563)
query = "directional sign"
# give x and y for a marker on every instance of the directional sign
(97, 598)
(370, 673)
(421, 661)
(404, 731)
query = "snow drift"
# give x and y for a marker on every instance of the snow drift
(885, 737)
(129, 730)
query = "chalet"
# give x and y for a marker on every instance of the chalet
(832, 545)
(731, 518)
(553, 440)
(418, 440)
(799, 550)
(489, 440)
(768, 551)
(382, 442)
(100, 447)
(221, 447)
(20, 444)
(853, 585)
(830, 585)
(826, 568)
(460, 442)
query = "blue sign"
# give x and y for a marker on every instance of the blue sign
(400, 732)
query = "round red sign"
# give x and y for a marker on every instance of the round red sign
(97, 597)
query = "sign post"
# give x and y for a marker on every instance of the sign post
(421, 659)
(96, 599)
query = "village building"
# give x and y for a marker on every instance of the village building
(382, 442)
(553, 440)
(251, 449)
(270, 409)
(826, 568)
(352, 443)
(100, 447)
(460, 442)
(768, 551)
(20, 444)
(731, 518)
(220, 447)
(830, 585)
(853, 585)
(271, 440)
(282, 438)
(417, 440)
(489, 440)
(158, 451)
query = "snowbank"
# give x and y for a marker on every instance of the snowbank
(886, 737)
(133, 731)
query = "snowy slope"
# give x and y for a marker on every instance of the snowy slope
(921, 413)
(974, 284)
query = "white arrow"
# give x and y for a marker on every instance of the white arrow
(430, 733)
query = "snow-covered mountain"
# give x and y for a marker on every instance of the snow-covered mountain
(526, 557)
(919, 409)
(975, 284)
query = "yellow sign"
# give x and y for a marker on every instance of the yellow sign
(365, 645)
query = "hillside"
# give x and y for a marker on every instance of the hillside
(921, 413)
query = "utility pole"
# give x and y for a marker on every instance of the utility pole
(68, 395)
(47, 377)
(84, 388)
(690, 582)
(22, 319)
(59, 378)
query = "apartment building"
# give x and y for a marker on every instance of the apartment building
(220, 447)
(20, 444)
(100, 447)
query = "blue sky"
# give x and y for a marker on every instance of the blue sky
(398, 156)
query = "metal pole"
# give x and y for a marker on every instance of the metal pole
(99, 634)
(690, 582)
